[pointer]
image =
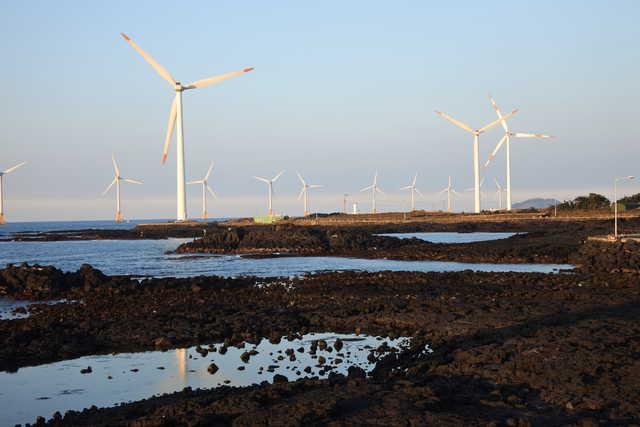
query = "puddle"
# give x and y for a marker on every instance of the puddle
(449, 237)
(18, 309)
(125, 377)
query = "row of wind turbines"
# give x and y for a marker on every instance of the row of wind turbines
(175, 121)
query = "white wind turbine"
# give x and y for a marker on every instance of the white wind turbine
(412, 187)
(476, 142)
(2, 174)
(175, 119)
(499, 192)
(374, 189)
(450, 192)
(205, 188)
(305, 192)
(507, 138)
(116, 181)
(269, 183)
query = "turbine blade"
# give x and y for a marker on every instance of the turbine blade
(195, 182)
(407, 187)
(495, 150)
(315, 186)
(109, 187)
(379, 190)
(499, 113)
(206, 177)
(159, 68)
(214, 195)
(132, 181)
(301, 179)
(11, 169)
(115, 165)
(259, 178)
(275, 178)
(216, 79)
(415, 178)
(497, 184)
(455, 193)
(494, 123)
(419, 193)
(301, 193)
(367, 188)
(170, 125)
(531, 135)
(455, 122)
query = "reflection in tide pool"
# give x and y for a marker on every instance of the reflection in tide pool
(448, 237)
(148, 258)
(44, 389)
(8, 307)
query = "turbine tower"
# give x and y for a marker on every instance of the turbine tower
(2, 174)
(175, 120)
(116, 181)
(507, 139)
(305, 192)
(205, 188)
(476, 142)
(414, 190)
(450, 192)
(374, 189)
(499, 191)
(269, 183)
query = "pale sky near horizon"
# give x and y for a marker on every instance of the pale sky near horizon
(340, 90)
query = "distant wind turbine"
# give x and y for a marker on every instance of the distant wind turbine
(269, 183)
(507, 138)
(450, 192)
(499, 192)
(116, 181)
(205, 188)
(305, 192)
(476, 142)
(175, 119)
(374, 189)
(2, 174)
(414, 190)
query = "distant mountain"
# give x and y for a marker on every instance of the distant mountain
(535, 203)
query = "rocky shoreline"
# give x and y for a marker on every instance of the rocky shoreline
(510, 348)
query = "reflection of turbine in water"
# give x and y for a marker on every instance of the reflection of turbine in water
(181, 356)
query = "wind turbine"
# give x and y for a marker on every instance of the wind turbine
(305, 192)
(450, 191)
(374, 189)
(2, 174)
(175, 119)
(269, 183)
(414, 190)
(116, 181)
(476, 142)
(499, 193)
(205, 188)
(507, 138)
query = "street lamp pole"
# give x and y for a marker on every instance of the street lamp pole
(615, 202)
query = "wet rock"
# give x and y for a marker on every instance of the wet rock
(280, 379)
(245, 357)
(212, 368)
(338, 344)
(355, 372)
(86, 370)
(162, 342)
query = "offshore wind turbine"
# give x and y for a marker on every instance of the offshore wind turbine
(205, 188)
(507, 139)
(269, 183)
(374, 189)
(116, 181)
(304, 191)
(2, 174)
(476, 146)
(175, 120)
(450, 192)
(412, 187)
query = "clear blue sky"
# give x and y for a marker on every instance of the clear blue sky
(340, 89)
